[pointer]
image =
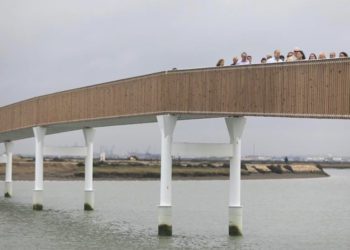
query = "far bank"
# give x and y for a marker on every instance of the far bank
(134, 169)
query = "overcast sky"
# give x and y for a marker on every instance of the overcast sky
(48, 46)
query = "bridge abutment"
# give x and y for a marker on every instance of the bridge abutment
(167, 125)
(235, 126)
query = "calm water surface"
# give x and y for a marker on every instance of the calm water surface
(278, 214)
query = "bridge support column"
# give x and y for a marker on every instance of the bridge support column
(89, 191)
(39, 134)
(167, 125)
(8, 175)
(235, 126)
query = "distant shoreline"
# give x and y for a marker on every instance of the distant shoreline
(69, 169)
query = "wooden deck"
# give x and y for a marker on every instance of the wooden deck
(314, 89)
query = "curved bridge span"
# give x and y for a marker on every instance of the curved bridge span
(315, 89)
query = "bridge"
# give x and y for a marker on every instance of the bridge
(309, 89)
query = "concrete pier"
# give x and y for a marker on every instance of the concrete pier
(235, 126)
(89, 134)
(39, 134)
(8, 172)
(167, 125)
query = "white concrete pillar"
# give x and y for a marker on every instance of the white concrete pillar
(8, 174)
(39, 134)
(167, 125)
(89, 134)
(235, 126)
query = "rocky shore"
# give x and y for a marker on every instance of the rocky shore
(73, 169)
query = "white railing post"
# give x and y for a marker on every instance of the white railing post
(235, 126)
(39, 134)
(89, 134)
(167, 125)
(8, 174)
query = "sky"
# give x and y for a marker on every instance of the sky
(49, 46)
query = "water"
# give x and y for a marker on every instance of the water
(278, 214)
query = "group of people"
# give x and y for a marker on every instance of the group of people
(296, 55)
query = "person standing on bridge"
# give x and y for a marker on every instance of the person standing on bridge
(276, 57)
(220, 63)
(234, 61)
(292, 57)
(299, 54)
(250, 59)
(312, 56)
(332, 55)
(322, 56)
(289, 56)
(343, 55)
(244, 59)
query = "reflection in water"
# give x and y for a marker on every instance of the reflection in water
(299, 213)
